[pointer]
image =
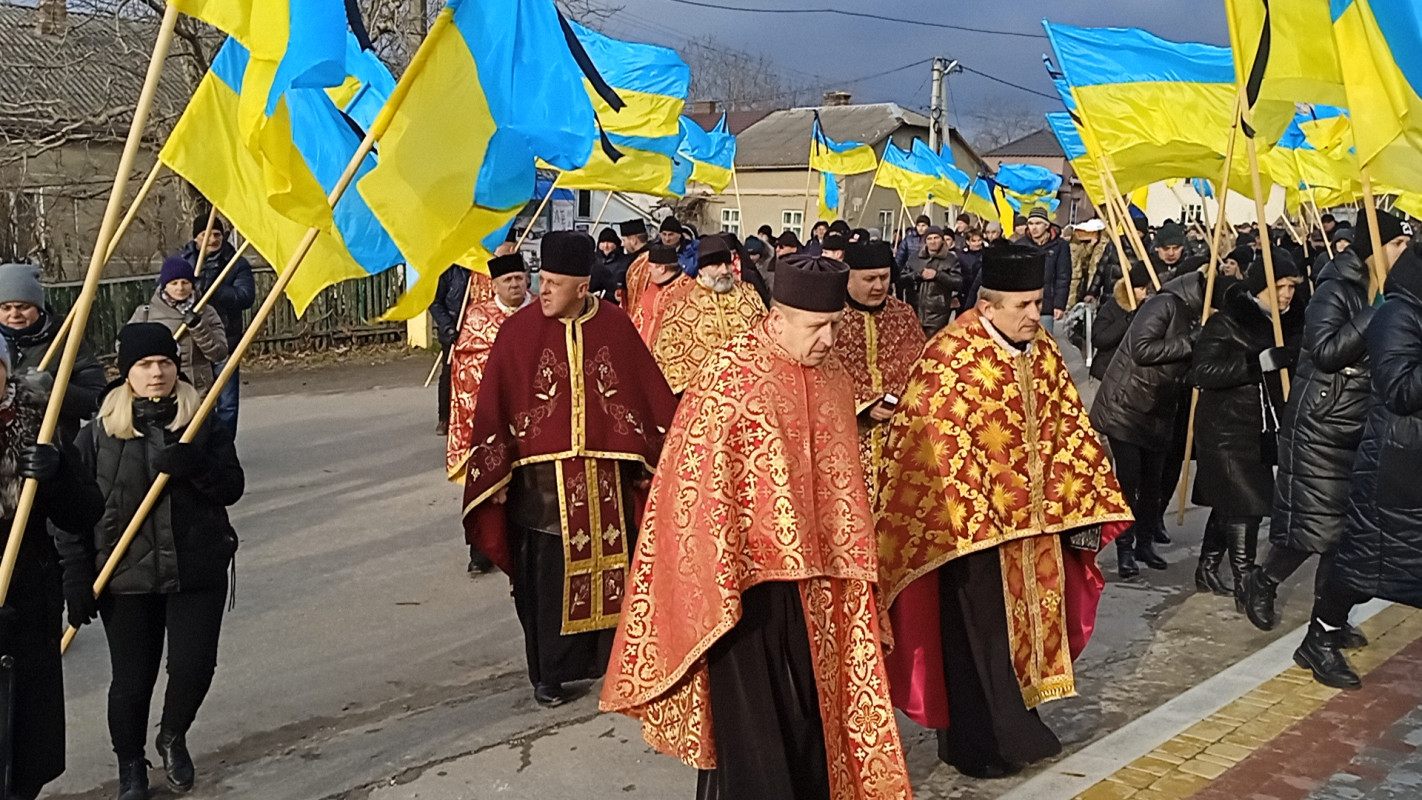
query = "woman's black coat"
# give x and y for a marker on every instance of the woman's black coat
(1323, 422)
(1380, 554)
(1234, 474)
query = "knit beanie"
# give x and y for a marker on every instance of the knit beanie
(1256, 281)
(1243, 256)
(20, 283)
(175, 268)
(140, 340)
(1389, 228)
(200, 225)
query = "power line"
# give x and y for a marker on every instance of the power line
(859, 15)
(996, 79)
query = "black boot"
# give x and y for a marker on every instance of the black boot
(1145, 552)
(1259, 594)
(550, 695)
(1212, 551)
(133, 779)
(1321, 655)
(1353, 639)
(1161, 537)
(1126, 565)
(173, 749)
(1242, 534)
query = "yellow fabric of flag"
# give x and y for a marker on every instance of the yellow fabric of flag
(1382, 71)
(1301, 64)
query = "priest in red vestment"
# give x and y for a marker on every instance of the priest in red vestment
(572, 413)
(878, 345)
(995, 496)
(654, 281)
(749, 645)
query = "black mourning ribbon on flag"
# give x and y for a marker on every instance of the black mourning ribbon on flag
(1055, 75)
(1256, 70)
(601, 86)
(357, 23)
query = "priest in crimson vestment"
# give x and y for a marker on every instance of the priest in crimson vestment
(995, 496)
(572, 412)
(655, 281)
(878, 345)
(749, 645)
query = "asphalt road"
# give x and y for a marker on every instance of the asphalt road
(361, 660)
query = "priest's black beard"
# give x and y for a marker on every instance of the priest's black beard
(867, 309)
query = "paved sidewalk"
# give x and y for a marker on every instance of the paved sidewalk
(1293, 739)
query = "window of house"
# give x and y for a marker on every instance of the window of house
(584, 203)
(1193, 212)
(887, 225)
(793, 221)
(731, 220)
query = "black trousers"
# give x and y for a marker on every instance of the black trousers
(989, 725)
(770, 742)
(445, 371)
(538, 599)
(1175, 456)
(136, 625)
(1141, 473)
(1333, 602)
(1282, 561)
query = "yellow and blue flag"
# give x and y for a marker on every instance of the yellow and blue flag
(1085, 167)
(952, 182)
(207, 147)
(979, 198)
(829, 197)
(915, 181)
(1283, 54)
(712, 153)
(1157, 109)
(646, 133)
(291, 44)
(839, 158)
(495, 86)
(1380, 54)
(1028, 186)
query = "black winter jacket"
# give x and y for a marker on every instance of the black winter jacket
(1323, 422)
(71, 504)
(448, 307)
(1109, 328)
(1057, 273)
(81, 399)
(1236, 475)
(1143, 386)
(935, 296)
(1380, 554)
(187, 541)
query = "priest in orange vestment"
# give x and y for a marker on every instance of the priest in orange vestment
(749, 641)
(995, 497)
(878, 345)
(703, 313)
(650, 282)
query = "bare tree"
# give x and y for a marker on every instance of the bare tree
(988, 129)
(737, 78)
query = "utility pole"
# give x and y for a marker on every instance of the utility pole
(935, 114)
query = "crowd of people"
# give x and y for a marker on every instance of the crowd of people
(724, 475)
(720, 497)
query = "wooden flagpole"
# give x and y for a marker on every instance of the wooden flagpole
(209, 401)
(538, 213)
(206, 237)
(1376, 268)
(85, 301)
(1120, 250)
(1267, 248)
(740, 211)
(212, 290)
(859, 218)
(605, 201)
(127, 220)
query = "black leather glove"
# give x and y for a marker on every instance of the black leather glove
(1277, 358)
(179, 460)
(449, 335)
(79, 594)
(192, 319)
(39, 461)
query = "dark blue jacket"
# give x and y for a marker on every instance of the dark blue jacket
(236, 294)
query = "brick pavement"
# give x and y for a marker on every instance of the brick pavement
(1293, 739)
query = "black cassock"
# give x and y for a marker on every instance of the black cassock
(765, 708)
(990, 729)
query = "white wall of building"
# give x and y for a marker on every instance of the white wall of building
(1164, 203)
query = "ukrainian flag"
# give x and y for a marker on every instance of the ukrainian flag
(646, 132)
(829, 197)
(1028, 186)
(712, 154)
(494, 85)
(915, 182)
(978, 198)
(1064, 128)
(952, 182)
(839, 158)
(1380, 52)
(1158, 109)
(291, 44)
(1283, 54)
(208, 149)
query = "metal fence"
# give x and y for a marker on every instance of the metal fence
(342, 314)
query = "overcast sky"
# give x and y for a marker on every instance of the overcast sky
(832, 51)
